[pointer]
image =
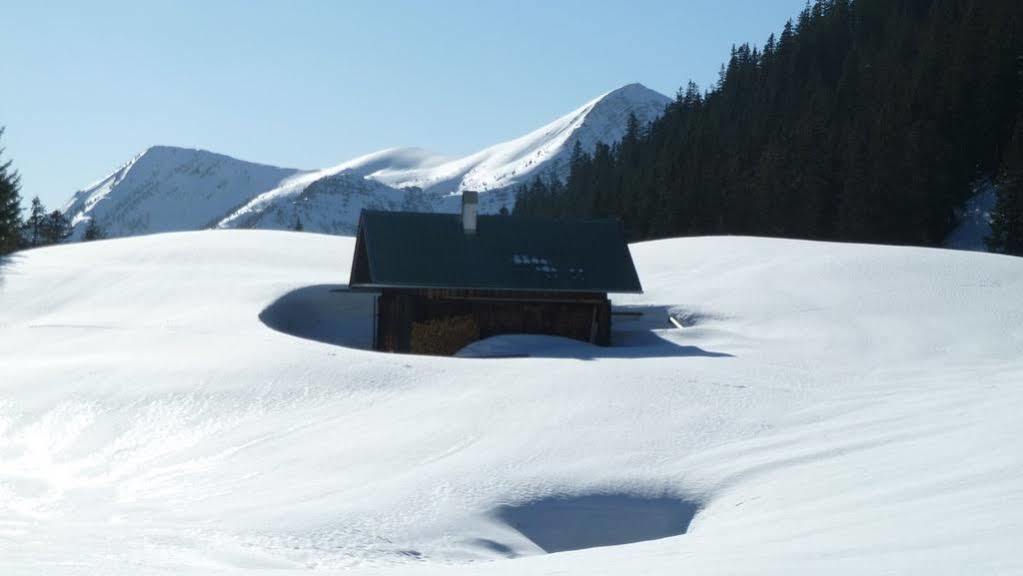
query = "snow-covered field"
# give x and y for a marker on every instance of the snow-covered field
(828, 409)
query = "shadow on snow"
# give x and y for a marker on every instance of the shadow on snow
(7, 262)
(560, 523)
(332, 314)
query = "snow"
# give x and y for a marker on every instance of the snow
(826, 409)
(331, 204)
(603, 119)
(167, 189)
(174, 189)
(415, 179)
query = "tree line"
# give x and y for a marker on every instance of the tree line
(39, 227)
(863, 120)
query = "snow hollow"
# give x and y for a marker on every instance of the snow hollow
(827, 409)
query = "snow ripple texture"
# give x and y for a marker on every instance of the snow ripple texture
(852, 409)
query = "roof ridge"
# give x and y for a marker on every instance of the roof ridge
(407, 213)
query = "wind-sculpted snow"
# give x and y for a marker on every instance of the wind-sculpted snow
(856, 410)
(326, 313)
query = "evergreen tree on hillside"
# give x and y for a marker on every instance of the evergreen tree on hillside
(862, 120)
(93, 231)
(34, 223)
(10, 206)
(1007, 216)
(522, 206)
(297, 226)
(56, 228)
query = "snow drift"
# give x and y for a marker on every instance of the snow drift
(857, 410)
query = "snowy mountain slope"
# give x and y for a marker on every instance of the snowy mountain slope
(829, 409)
(330, 204)
(173, 189)
(494, 171)
(170, 189)
(603, 119)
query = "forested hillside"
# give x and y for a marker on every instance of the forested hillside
(862, 120)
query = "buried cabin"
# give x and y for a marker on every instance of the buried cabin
(445, 280)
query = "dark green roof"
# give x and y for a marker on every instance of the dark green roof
(422, 250)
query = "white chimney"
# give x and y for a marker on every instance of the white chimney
(470, 204)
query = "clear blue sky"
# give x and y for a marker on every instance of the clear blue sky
(310, 84)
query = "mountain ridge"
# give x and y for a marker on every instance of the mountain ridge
(168, 188)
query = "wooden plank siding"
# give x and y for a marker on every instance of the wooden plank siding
(582, 316)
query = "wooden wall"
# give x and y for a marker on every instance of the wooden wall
(582, 316)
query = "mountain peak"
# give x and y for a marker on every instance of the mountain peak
(162, 148)
(637, 89)
(634, 92)
(169, 188)
(179, 152)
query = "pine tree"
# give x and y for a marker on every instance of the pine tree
(34, 223)
(861, 121)
(1007, 220)
(297, 226)
(523, 206)
(56, 228)
(93, 231)
(1007, 217)
(10, 206)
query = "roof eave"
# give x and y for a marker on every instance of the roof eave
(387, 286)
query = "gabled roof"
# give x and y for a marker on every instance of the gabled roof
(422, 250)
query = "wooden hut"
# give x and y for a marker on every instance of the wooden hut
(445, 280)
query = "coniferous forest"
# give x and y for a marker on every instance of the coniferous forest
(40, 228)
(865, 120)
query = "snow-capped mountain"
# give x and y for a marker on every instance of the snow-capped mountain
(603, 119)
(330, 204)
(168, 189)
